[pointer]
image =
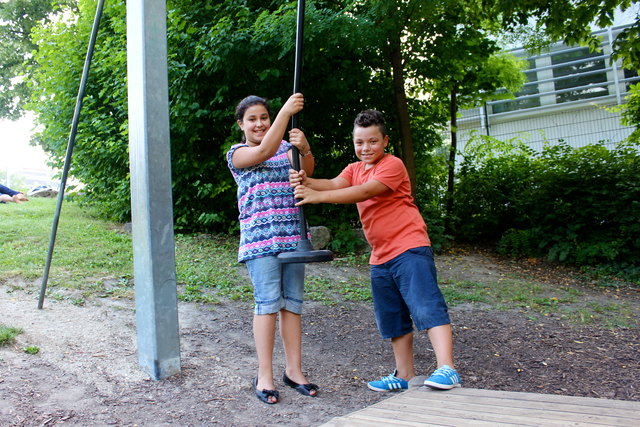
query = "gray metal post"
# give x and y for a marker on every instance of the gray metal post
(151, 203)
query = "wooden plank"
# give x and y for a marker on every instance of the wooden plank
(520, 416)
(564, 404)
(531, 400)
(475, 407)
(372, 416)
(518, 395)
(425, 415)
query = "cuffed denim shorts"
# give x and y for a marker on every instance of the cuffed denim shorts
(405, 292)
(276, 286)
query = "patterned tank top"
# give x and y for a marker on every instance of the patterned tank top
(269, 222)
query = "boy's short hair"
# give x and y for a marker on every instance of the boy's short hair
(367, 118)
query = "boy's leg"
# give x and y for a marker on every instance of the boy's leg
(417, 280)
(264, 329)
(418, 283)
(441, 339)
(394, 322)
(445, 377)
(403, 353)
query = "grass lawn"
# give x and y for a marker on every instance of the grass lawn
(94, 258)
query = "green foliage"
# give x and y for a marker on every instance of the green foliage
(493, 182)
(32, 349)
(577, 205)
(345, 240)
(631, 112)
(431, 174)
(627, 47)
(17, 19)
(212, 66)
(8, 334)
(219, 53)
(100, 156)
(569, 21)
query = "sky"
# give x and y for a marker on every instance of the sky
(17, 158)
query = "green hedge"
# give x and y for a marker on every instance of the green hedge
(575, 205)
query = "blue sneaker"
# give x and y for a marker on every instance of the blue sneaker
(389, 383)
(444, 378)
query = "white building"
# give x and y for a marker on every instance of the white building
(566, 97)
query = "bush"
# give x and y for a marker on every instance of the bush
(576, 205)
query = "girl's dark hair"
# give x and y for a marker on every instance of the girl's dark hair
(367, 118)
(250, 101)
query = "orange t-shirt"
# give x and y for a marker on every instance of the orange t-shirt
(391, 221)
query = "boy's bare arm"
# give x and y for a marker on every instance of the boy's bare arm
(343, 195)
(302, 178)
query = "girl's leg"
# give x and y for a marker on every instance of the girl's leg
(264, 330)
(403, 352)
(441, 339)
(265, 277)
(291, 333)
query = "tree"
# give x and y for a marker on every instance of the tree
(424, 43)
(473, 73)
(383, 55)
(217, 56)
(568, 20)
(17, 19)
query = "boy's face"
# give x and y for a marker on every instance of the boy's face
(369, 144)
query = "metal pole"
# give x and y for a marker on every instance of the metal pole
(154, 263)
(295, 120)
(72, 138)
(304, 252)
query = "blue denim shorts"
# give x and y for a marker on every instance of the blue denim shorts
(405, 292)
(276, 286)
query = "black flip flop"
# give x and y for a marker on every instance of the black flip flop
(304, 389)
(264, 394)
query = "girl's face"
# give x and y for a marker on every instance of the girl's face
(255, 124)
(369, 144)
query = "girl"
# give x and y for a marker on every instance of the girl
(269, 225)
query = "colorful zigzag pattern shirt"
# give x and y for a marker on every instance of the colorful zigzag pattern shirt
(269, 221)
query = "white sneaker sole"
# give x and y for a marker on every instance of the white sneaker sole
(441, 386)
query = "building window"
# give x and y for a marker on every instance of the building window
(581, 71)
(630, 78)
(529, 88)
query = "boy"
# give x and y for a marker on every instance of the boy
(403, 274)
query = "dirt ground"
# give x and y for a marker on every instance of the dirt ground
(87, 371)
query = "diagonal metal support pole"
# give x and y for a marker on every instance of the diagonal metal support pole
(70, 144)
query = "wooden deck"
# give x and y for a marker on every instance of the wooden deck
(474, 407)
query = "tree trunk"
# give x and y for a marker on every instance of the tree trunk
(453, 110)
(402, 109)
